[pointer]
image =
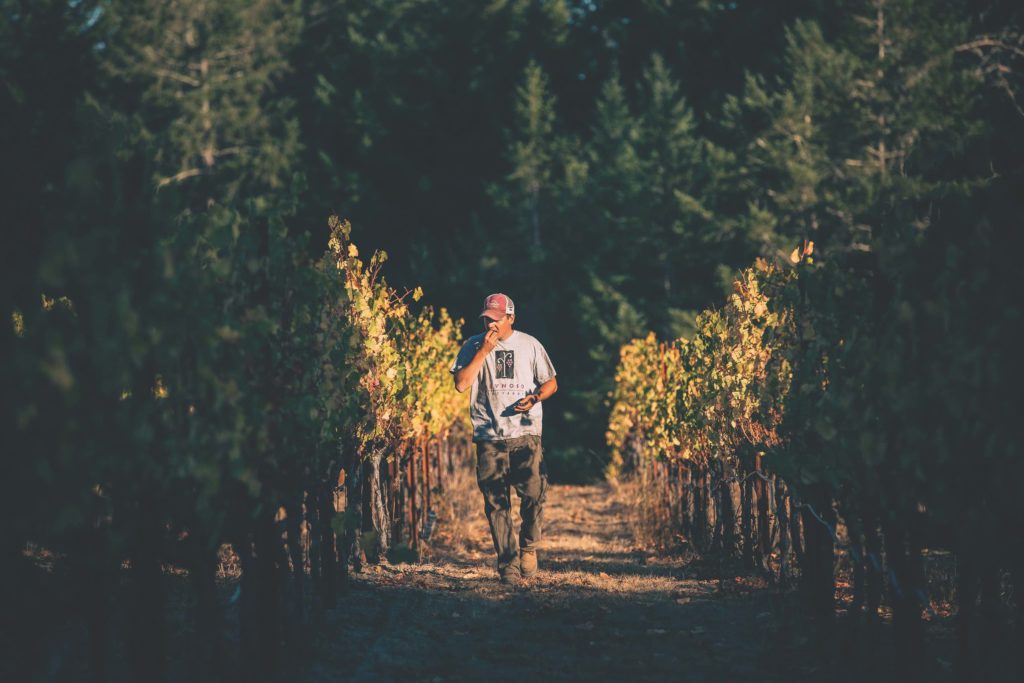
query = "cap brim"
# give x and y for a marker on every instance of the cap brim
(492, 314)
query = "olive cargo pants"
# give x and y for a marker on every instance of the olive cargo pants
(518, 463)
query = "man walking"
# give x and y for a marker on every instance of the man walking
(509, 375)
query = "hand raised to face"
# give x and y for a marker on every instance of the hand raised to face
(490, 340)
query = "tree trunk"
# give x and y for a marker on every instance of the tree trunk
(209, 622)
(298, 561)
(1018, 587)
(858, 564)
(965, 666)
(327, 560)
(147, 634)
(268, 550)
(89, 565)
(313, 523)
(991, 611)
(247, 610)
(872, 561)
(907, 626)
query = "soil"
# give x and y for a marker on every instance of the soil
(600, 608)
(603, 606)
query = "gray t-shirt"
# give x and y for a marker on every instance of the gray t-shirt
(516, 367)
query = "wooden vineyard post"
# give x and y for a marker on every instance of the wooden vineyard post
(448, 448)
(782, 513)
(706, 514)
(426, 479)
(666, 492)
(764, 532)
(718, 502)
(677, 515)
(746, 522)
(688, 508)
(413, 535)
(731, 511)
(709, 501)
(441, 443)
(388, 466)
(661, 356)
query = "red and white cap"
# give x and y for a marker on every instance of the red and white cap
(497, 306)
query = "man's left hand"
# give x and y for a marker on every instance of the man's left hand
(524, 404)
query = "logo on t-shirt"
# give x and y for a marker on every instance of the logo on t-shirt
(505, 362)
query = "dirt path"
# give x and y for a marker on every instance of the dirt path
(600, 609)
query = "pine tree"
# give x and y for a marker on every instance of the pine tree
(532, 153)
(201, 80)
(854, 125)
(615, 180)
(678, 227)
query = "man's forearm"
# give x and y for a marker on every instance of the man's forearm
(546, 389)
(464, 377)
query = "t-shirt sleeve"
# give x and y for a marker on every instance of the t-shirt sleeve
(466, 354)
(543, 369)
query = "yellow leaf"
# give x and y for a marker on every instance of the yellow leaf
(353, 251)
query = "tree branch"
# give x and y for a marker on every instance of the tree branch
(178, 177)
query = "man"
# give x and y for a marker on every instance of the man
(509, 375)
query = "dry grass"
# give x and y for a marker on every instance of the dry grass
(650, 519)
(457, 504)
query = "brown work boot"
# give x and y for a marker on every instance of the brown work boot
(528, 563)
(510, 576)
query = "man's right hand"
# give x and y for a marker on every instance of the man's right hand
(464, 377)
(490, 341)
